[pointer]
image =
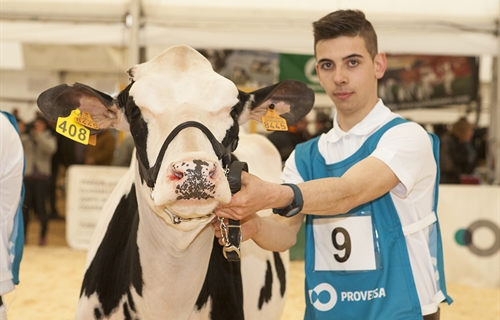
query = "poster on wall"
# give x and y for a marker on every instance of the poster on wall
(422, 81)
(300, 67)
(246, 68)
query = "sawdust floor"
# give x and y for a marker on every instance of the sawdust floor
(51, 276)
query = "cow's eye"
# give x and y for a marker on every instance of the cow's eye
(135, 113)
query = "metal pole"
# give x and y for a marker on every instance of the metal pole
(135, 24)
(494, 134)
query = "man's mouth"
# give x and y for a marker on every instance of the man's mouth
(342, 95)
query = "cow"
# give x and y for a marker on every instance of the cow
(153, 254)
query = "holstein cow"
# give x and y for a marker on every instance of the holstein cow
(154, 254)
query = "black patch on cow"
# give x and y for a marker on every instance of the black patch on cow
(138, 126)
(131, 301)
(280, 271)
(126, 312)
(224, 286)
(97, 314)
(231, 138)
(266, 291)
(116, 265)
(195, 185)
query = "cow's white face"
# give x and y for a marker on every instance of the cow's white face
(177, 86)
(180, 85)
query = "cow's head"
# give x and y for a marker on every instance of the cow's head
(179, 86)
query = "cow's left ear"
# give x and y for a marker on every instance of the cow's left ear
(60, 100)
(292, 100)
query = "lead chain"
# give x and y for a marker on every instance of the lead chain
(224, 232)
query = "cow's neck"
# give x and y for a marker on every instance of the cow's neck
(171, 258)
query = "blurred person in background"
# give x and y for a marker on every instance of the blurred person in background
(103, 152)
(323, 124)
(65, 156)
(11, 201)
(39, 145)
(457, 154)
(124, 152)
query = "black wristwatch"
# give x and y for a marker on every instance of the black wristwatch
(296, 205)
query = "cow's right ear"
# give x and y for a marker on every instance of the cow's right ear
(292, 100)
(60, 100)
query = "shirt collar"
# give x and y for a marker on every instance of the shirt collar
(373, 120)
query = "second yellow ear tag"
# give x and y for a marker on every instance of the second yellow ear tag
(86, 120)
(272, 120)
(71, 129)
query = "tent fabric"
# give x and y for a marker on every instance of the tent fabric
(434, 27)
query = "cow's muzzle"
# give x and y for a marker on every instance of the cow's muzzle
(223, 152)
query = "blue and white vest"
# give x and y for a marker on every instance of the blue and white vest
(360, 267)
(16, 241)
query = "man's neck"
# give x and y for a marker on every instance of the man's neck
(347, 121)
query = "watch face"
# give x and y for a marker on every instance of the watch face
(293, 212)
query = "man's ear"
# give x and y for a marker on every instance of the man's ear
(380, 64)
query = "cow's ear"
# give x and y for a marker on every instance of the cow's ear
(292, 100)
(60, 100)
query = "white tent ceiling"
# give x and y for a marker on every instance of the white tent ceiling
(460, 27)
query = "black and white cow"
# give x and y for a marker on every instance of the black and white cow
(154, 254)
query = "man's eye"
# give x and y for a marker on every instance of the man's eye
(353, 63)
(326, 65)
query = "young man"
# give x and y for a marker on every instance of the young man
(368, 190)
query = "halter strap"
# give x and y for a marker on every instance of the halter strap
(222, 152)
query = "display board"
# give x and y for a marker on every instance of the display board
(88, 188)
(470, 226)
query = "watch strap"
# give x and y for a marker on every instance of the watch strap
(296, 205)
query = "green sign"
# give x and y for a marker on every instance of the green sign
(300, 67)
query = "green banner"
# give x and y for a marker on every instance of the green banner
(300, 67)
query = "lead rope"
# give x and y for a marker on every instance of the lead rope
(231, 233)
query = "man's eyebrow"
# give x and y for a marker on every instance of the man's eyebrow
(324, 60)
(354, 55)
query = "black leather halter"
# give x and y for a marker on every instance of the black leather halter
(223, 153)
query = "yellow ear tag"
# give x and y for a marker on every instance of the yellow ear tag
(86, 120)
(71, 129)
(272, 120)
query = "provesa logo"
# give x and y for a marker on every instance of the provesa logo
(323, 297)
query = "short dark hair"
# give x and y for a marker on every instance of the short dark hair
(348, 23)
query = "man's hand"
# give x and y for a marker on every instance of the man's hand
(255, 195)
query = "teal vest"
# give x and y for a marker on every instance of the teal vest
(16, 241)
(362, 264)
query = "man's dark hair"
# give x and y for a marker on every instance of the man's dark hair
(346, 23)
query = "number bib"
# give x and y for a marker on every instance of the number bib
(351, 245)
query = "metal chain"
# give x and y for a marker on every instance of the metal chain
(224, 232)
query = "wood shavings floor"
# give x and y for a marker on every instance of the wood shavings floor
(51, 276)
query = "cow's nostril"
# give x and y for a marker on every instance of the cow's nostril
(211, 173)
(176, 175)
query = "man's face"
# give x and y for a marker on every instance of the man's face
(348, 74)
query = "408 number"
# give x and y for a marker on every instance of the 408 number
(73, 131)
